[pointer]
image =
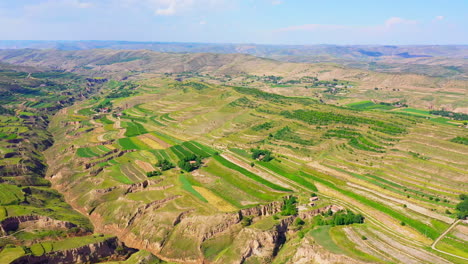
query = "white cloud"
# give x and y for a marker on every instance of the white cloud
(167, 10)
(276, 2)
(203, 22)
(394, 21)
(439, 18)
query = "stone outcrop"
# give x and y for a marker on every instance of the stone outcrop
(263, 210)
(255, 245)
(311, 213)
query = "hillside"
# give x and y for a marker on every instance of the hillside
(402, 173)
(420, 91)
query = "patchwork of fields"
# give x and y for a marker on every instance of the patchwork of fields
(401, 172)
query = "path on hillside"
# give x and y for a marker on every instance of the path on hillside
(442, 236)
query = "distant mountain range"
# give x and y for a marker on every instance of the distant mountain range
(433, 60)
(352, 51)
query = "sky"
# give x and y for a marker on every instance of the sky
(297, 22)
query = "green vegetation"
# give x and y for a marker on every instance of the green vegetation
(462, 208)
(286, 134)
(289, 206)
(263, 126)
(243, 102)
(153, 173)
(325, 118)
(453, 115)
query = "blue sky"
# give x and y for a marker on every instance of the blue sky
(239, 21)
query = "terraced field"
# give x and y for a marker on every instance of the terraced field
(401, 172)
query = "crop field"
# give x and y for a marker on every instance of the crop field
(133, 129)
(186, 185)
(249, 174)
(46, 247)
(10, 194)
(367, 105)
(129, 143)
(322, 236)
(92, 151)
(150, 141)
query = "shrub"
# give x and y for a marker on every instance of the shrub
(299, 222)
(246, 220)
(261, 154)
(153, 173)
(300, 234)
(289, 206)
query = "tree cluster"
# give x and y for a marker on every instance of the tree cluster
(462, 207)
(454, 115)
(164, 165)
(190, 163)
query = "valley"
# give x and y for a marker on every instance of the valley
(212, 158)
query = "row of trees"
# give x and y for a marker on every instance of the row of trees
(347, 217)
(162, 165)
(454, 115)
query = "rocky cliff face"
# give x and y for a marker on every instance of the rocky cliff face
(263, 210)
(33, 222)
(110, 248)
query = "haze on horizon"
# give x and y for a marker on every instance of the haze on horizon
(430, 22)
